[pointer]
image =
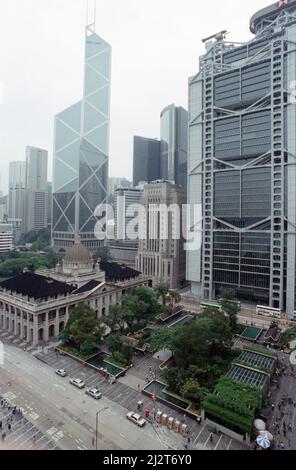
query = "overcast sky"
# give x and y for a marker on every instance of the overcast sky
(156, 45)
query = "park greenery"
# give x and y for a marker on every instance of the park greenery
(201, 354)
(289, 335)
(230, 307)
(14, 262)
(137, 308)
(233, 404)
(39, 240)
(103, 254)
(83, 331)
(166, 294)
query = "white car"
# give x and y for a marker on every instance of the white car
(136, 419)
(61, 372)
(77, 383)
(93, 392)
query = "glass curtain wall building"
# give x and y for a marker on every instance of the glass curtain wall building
(146, 160)
(174, 144)
(36, 187)
(242, 163)
(81, 152)
(17, 197)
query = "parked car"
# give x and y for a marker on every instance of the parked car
(93, 392)
(77, 383)
(136, 419)
(61, 372)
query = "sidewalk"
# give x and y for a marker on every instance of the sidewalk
(132, 382)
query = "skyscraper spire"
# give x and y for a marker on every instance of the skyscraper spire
(91, 14)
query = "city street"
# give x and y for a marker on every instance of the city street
(65, 413)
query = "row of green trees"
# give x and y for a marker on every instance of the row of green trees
(39, 240)
(14, 263)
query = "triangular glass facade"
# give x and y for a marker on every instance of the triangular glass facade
(81, 152)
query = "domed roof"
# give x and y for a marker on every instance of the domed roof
(78, 254)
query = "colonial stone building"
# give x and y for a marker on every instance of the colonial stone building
(161, 252)
(35, 307)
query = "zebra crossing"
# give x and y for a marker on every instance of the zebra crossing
(23, 434)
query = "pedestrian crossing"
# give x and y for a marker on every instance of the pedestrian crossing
(17, 432)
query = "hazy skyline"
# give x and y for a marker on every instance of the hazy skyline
(156, 46)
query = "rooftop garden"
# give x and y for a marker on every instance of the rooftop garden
(234, 404)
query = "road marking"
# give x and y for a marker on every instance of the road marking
(216, 447)
(230, 442)
(52, 431)
(195, 441)
(34, 416)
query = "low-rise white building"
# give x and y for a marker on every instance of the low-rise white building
(6, 238)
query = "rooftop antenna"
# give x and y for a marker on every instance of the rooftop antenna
(91, 14)
(218, 36)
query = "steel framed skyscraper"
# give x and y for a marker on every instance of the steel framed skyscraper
(242, 162)
(81, 152)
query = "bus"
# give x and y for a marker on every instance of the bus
(268, 311)
(208, 304)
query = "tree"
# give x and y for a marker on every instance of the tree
(209, 335)
(139, 305)
(112, 342)
(164, 338)
(227, 294)
(174, 377)
(166, 294)
(174, 296)
(230, 306)
(64, 336)
(87, 348)
(84, 326)
(38, 245)
(103, 254)
(116, 318)
(43, 236)
(191, 390)
(162, 290)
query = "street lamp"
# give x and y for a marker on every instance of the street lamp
(97, 414)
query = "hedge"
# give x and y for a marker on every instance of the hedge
(230, 418)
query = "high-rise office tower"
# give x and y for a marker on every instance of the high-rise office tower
(242, 162)
(161, 254)
(17, 197)
(81, 150)
(146, 160)
(174, 144)
(49, 202)
(124, 247)
(36, 186)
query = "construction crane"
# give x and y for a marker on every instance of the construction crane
(218, 36)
